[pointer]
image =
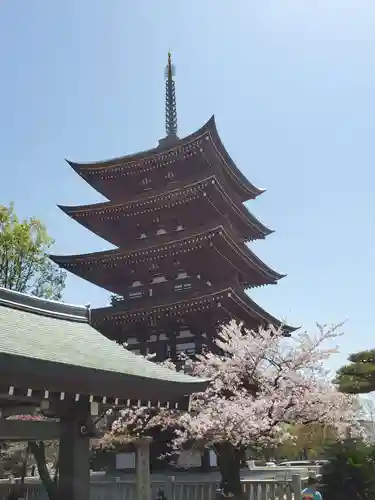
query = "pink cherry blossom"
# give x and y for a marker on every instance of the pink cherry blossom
(261, 382)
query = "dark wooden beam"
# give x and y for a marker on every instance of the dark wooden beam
(24, 430)
(18, 410)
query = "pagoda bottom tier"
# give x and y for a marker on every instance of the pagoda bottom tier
(188, 324)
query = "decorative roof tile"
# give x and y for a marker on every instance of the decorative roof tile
(61, 334)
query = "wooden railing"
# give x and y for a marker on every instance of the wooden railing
(173, 489)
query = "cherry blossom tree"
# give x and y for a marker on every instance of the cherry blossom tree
(261, 383)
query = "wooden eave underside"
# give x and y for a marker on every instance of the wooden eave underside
(41, 375)
(95, 215)
(26, 396)
(42, 346)
(169, 245)
(209, 130)
(192, 303)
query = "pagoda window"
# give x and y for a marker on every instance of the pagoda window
(145, 181)
(158, 278)
(132, 340)
(184, 334)
(136, 283)
(161, 230)
(163, 336)
(180, 227)
(169, 175)
(136, 295)
(181, 287)
(142, 236)
(188, 348)
(182, 275)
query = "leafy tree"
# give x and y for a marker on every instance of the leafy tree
(350, 472)
(25, 267)
(12, 457)
(358, 377)
(261, 384)
(43, 455)
(46, 454)
(24, 264)
(307, 442)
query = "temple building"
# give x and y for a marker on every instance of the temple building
(182, 260)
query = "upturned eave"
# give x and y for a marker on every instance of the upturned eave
(216, 299)
(83, 214)
(89, 170)
(157, 246)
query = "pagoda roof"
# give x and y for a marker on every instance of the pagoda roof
(160, 247)
(51, 346)
(224, 298)
(166, 153)
(90, 215)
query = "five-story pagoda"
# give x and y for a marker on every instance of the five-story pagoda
(177, 217)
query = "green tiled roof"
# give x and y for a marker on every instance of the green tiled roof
(60, 333)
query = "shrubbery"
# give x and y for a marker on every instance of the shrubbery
(350, 473)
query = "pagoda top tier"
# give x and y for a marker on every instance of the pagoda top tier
(171, 161)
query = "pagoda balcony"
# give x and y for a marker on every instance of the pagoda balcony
(172, 337)
(121, 223)
(221, 304)
(134, 173)
(116, 270)
(143, 296)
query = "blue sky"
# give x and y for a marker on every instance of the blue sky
(291, 83)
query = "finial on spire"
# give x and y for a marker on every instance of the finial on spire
(170, 100)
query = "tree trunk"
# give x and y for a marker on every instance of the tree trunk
(229, 463)
(38, 450)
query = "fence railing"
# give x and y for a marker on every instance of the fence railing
(173, 489)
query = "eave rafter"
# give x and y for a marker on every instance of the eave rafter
(82, 264)
(147, 161)
(95, 215)
(221, 299)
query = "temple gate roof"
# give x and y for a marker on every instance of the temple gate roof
(52, 346)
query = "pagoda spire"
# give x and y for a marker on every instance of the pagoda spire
(170, 100)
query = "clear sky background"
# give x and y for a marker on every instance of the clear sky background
(291, 83)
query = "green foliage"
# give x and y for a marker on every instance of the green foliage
(350, 472)
(309, 442)
(24, 265)
(358, 377)
(12, 456)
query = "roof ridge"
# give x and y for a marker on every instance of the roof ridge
(163, 148)
(43, 307)
(142, 198)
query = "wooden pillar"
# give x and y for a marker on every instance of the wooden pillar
(172, 345)
(161, 347)
(142, 468)
(74, 453)
(198, 339)
(142, 336)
